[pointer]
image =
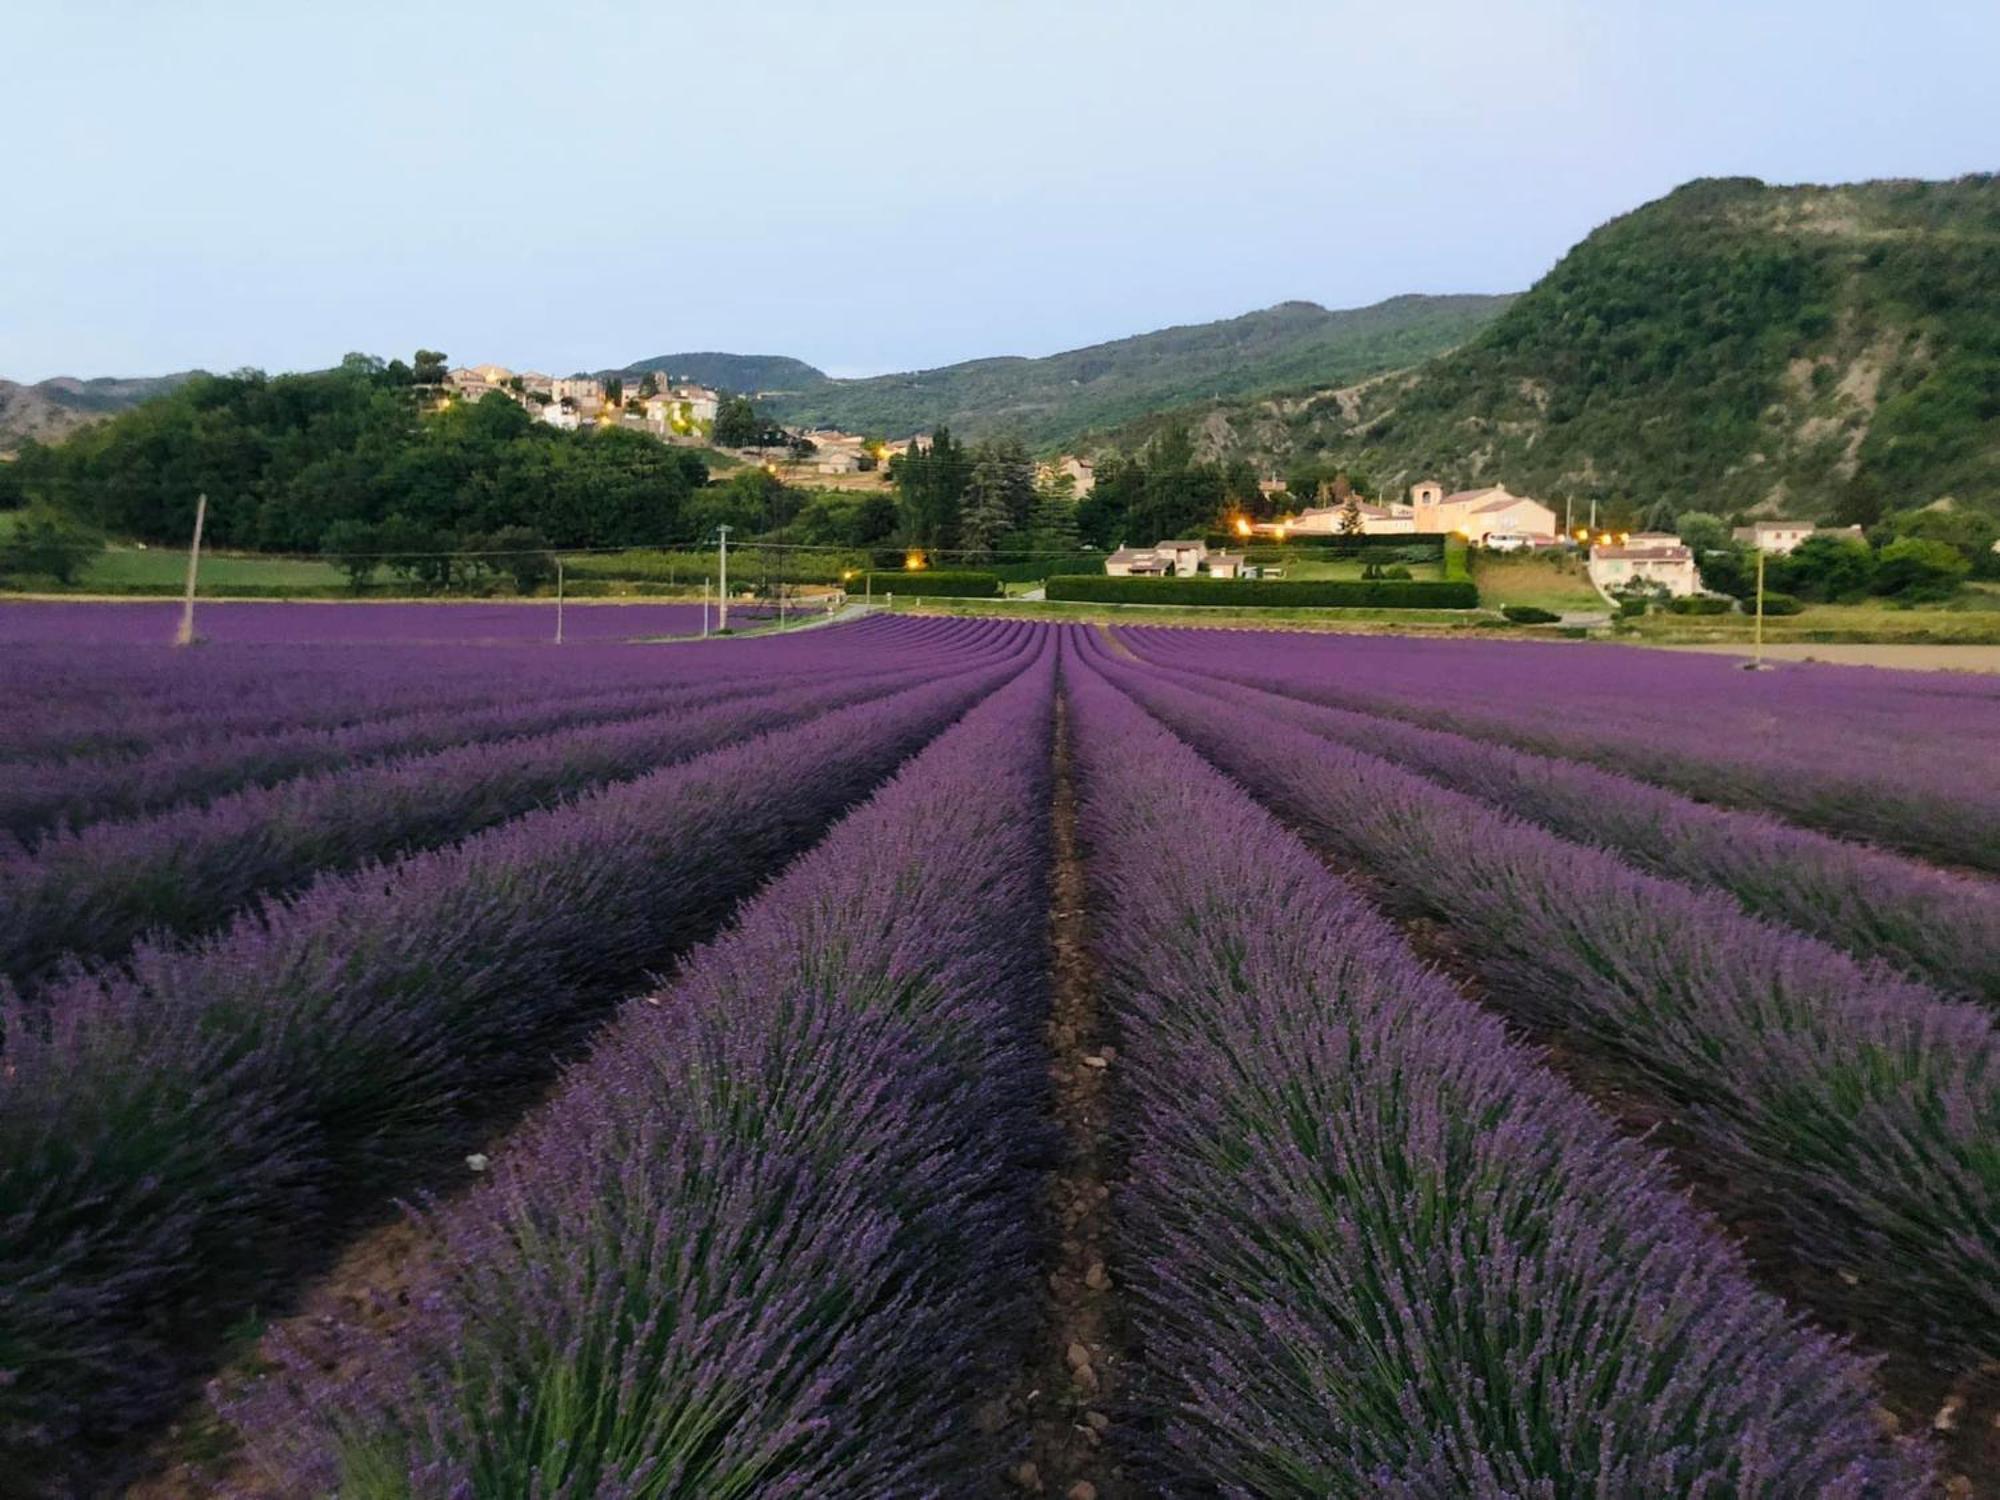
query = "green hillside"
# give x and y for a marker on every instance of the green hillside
(747, 373)
(1054, 400)
(1822, 351)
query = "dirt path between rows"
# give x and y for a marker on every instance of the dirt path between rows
(1066, 1397)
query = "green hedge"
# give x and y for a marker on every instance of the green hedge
(1700, 604)
(1457, 566)
(1267, 593)
(1529, 614)
(928, 583)
(1034, 570)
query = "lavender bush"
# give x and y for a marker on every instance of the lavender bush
(39, 796)
(1909, 766)
(173, 1140)
(1935, 926)
(772, 1237)
(1375, 1248)
(1852, 1112)
(92, 894)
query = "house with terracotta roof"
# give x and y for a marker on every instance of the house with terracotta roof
(1478, 514)
(1649, 561)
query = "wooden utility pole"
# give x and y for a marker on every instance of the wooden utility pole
(704, 606)
(722, 585)
(1757, 636)
(185, 635)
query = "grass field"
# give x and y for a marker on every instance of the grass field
(1544, 580)
(1972, 619)
(1374, 621)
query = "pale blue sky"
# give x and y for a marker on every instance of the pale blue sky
(878, 185)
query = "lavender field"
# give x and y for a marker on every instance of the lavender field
(264, 623)
(948, 1057)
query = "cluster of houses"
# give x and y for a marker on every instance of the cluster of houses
(1489, 517)
(674, 410)
(1661, 560)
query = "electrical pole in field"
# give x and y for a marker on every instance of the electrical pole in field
(1757, 641)
(185, 635)
(722, 587)
(559, 600)
(704, 605)
(1593, 515)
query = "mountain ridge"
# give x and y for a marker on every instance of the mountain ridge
(1055, 398)
(1827, 351)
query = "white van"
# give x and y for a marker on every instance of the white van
(1506, 541)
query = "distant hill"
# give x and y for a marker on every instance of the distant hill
(50, 409)
(747, 374)
(1056, 399)
(1818, 351)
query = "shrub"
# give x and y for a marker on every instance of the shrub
(48, 544)
(1529, 614)
(1631, 609)
(930, 584)
(1700, 604)
(1918, 568)
(1777, 604)
(1268, 593)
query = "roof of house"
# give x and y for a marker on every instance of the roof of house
(1505, 502)
(1644, 554)
(1162, 546)
(1226, 557)
(1131, 554)
(1466, 497)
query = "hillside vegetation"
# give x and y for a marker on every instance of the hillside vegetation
(1056, 399)
(1824, 351)
(749, 374)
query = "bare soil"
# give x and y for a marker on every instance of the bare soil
(1065, 1400)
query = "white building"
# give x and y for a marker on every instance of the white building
(1331, 520)
(1477, 514)
(562, 414)
(1645, 560)
(1780, 537)
(1180, 559)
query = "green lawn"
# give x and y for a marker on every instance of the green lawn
(1973, 618)
(1362, 620)
(160, 567)
(1545, 580)
(1300, 567)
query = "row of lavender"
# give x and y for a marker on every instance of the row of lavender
(1899, 759)
(1936, 926)
(180, 1133)
(770, 1237)
(248, 622)
(1850, 1112)
(1372, 1245)
(187, 869)
(130, 702)
(773, 1237)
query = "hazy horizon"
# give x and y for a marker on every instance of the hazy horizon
(891, 189)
